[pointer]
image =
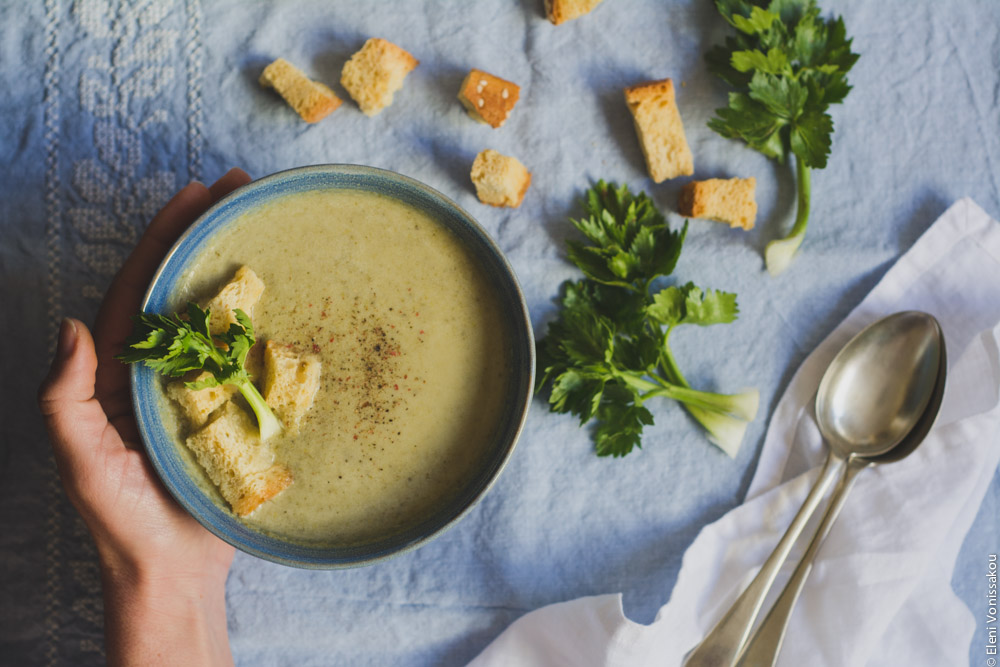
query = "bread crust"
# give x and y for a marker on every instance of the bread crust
(560, 11)
(198, 405)
(312, 100)
(488, 98)
(661, 132)
(291, 380)
(724, 200)
(242, 467)
(500, 180)
(375, 73)
(243, 292)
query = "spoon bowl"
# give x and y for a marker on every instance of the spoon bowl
(923, 426)
(878, 386)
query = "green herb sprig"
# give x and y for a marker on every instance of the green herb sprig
(173, 347)
(608, 352)
(788, 66)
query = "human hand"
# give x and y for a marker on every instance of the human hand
(163, 574)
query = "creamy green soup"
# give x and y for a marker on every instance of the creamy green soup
(411, 340)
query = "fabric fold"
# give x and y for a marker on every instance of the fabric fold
(882, 578)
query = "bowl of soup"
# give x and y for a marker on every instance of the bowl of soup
(413, 343)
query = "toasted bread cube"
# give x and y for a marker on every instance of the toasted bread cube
(374, 74)
(488, 99)
(724, 200)
(500, 180)
(560, 11)
(238, 463)
(661, 132)
(255, 363)
(310, 99)
(199, 404)
(242, 292)
(291, 380)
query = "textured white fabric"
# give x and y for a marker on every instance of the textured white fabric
(879, 592)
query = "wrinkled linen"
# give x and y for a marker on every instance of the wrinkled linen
(882, 577)
(111, 106)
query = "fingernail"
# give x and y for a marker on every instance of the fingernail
(67, 339)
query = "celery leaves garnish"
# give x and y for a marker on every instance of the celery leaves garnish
(173, 347)
(608, 351)
(788, 65)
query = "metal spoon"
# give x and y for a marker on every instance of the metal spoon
(871, 396)
(765, 644)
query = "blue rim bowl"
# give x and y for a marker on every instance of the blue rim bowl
(172, 465)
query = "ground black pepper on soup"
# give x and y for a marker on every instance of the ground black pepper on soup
(413, 352)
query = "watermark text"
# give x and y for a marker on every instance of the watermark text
(991, 611)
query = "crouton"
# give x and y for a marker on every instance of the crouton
(488, 99)
(242, 292)
(661, 132)
(731, 201)
(500, 180)
(255, 363)
(237, 462)
(560, 11)
(375, 73)
(291, 380)
(199, 404)
(310, 99)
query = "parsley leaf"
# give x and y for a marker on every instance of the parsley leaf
(608, 350)
(629, 238)
(810, 138)
(747, 119)
(783, 97)
(690, 305)
(620, 422)
(787, 65)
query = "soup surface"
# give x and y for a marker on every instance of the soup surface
(411, 339)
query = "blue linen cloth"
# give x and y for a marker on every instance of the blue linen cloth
(111, 106)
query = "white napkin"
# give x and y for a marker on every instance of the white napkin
(879, 592)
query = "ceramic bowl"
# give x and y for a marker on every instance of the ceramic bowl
(174, 465)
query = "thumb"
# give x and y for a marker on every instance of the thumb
(71, 377)
(73, 417)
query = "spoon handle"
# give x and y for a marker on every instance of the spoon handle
(722, 645)
(765, 644)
